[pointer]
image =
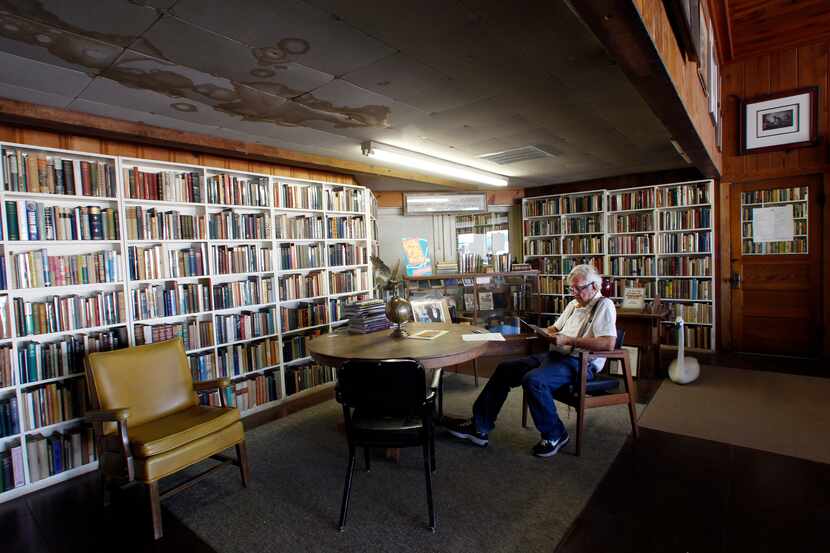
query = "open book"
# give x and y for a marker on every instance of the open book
(539, 330)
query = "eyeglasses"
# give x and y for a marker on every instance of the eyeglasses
(578, 289)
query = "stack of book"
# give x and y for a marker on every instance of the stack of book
(366, 316)
(446, 268)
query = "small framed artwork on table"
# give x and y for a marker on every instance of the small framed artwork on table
(430, 310)
(779, 121)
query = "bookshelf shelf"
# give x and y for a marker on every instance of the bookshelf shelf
(154, 199)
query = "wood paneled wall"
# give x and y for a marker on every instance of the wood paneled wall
(683, 73)
(49, 139)
(782, 70)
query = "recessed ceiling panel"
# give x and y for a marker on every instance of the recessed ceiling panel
(286, 30)
(19, 93)
(41, 76)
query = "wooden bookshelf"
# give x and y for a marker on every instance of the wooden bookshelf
(654, 237)
(209, 244)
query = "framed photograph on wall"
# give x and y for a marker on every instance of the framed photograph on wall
(778, 121)
(684, 20)
(704, 57)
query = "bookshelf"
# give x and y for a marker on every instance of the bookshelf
(655, 237)
(777, 197)
(483, 240)
(137, 251)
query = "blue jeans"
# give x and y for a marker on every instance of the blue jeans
(540, 375)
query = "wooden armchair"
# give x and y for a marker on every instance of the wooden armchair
(601, 391)
(151, 387)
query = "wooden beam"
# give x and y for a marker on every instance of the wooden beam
(64, 120)
(618, 26)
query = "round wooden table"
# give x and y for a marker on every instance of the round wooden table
(336, 348)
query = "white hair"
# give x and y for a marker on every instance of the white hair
(586, 271)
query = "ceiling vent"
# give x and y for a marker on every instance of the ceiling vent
(515, 155)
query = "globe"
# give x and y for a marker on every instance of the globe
(398, 311)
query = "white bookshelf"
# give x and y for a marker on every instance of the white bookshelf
(355, 204)
(641, 230)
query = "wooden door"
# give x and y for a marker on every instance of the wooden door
(776, 286)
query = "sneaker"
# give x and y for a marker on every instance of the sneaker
(548, 448)
(468, 431)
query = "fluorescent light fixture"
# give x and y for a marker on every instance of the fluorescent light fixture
(399, 156)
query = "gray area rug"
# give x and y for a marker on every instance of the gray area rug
(498, 498)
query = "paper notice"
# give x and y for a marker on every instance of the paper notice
(773, 224)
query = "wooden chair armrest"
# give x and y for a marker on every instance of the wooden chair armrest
(211, 385)
(108, 415)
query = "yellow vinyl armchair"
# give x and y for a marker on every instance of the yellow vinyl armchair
(150, 389)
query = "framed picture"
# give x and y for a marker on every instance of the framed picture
(704, 57)
(714, 82)
(779, 121)
(684, 19)
(430, 310)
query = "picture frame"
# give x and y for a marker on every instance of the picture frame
(430, 310)
(779, 121)
(705, 48)
(684, 19)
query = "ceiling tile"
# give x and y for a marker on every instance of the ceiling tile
(36, 75)
(184, 44)
(287, 30)
(22, 94)
(139, 116)
(37, 41)
(114, 21)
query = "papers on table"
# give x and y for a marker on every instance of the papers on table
(428, 334)
(483, 337)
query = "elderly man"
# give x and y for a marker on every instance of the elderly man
(588, 322)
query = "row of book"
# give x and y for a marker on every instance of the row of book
(685, 242)
(618, 286)
(682, 265)
(30, 220)
(301, 256)
(241, 259)
(195, 333)
(169, 299)
(153, 224)
(40, 173)
(301, 196)
(60, 451)
(11, 468)
(445, 267)
(680, 219)
(798, 193)
(304, 315)
(799, 211)
(297, 286)
(683, 194)
(38, 269)
(685, 289)
(344, 199)
(294, 347)
(9, 419)
(551, 285)
(202, 366)
(694, 337)
(634, 266)
(691, 313)
(798, 245)
(630, 243)
(552, 304)
(568, 263)
(346, 227)
(543, 246)
(232, 190)
(631, 200)
(583, 224)
(302, 227)
(542, 227)
(62, 313)
(168, 186)
(799, 228)
(582, 204)
(348, 281)
(240, 359)
(501, 262)
(631, 222)
(53, 403)
(230, 225)
(65, 357)
(470, 262)
(582, 245)
(246, 325)
(155, 262)
(257, 390)
(254, 290)
(538, 208)
(347, 254)
(303, 377)
(546, 265)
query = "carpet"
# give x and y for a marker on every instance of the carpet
(498, 498)
(779, 413)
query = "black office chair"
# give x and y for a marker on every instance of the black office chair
(598, 392)
(387, 404)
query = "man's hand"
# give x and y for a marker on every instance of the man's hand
(561, 340)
